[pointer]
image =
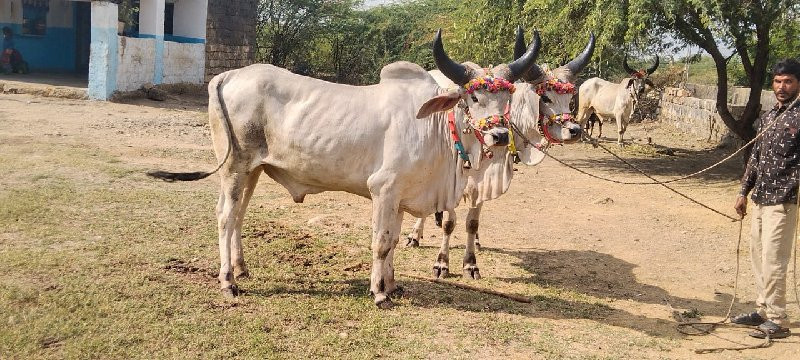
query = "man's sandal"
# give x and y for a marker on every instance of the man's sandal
(751, 319)
(772, 329)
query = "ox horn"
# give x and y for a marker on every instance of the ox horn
(519, 50)
(579, 63)
(627, 67)
(523, 63)
(454, 71)
(519, 45)
(653, 68)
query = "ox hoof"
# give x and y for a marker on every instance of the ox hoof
(384, 303)
(398, 292)
(477, 246)
(440, 271)
(230, 292)
(412, 242)
(472, 271)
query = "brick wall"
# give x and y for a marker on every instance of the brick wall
(230, 35)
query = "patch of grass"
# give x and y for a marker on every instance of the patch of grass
(129, 270)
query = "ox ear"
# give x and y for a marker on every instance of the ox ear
(629, 82)
(438, 103)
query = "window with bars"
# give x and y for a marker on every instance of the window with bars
(34, 17)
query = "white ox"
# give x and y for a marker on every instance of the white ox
(542, 119)
(312, 136)
(608, 100)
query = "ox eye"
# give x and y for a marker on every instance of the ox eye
(546, 99)
(474, 98)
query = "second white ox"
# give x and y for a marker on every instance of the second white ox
(312, 136)
(540, 111)
(608, 100)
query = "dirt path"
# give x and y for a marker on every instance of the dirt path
(639, 250)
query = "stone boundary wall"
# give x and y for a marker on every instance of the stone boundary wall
(230, 35)
(692, 109)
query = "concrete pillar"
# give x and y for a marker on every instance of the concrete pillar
(151, 24)
(190, 20)
(103, 51)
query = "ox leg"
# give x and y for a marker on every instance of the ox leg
(600, 127)
(470, 264)
(415, 235)
(385, 234)
(237, 255)
(620, 130)
(392, 289)
(228, 209)
(441, 268)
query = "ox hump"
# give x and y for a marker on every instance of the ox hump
(404, 71)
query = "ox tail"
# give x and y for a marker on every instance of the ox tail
(216, 103)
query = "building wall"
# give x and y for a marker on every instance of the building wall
(136, 63)
(230, 35)
(183, 63)
(54, 51)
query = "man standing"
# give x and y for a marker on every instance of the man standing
(772, 174)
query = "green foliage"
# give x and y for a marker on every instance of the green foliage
(339, 40)
(288, 29)
(785, 36)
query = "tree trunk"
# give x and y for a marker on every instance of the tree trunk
(722, 95)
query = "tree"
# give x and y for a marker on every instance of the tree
(288, 29)
(744, 25)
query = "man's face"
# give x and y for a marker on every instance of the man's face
(786, 87)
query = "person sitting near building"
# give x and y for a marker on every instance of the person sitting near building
(11, 59)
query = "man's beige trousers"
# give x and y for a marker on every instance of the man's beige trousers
(770, 252)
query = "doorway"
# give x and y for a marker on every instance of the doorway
(83, 36)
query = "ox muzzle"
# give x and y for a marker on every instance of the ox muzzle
(496, 137)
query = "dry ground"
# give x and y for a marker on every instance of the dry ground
(102, 262)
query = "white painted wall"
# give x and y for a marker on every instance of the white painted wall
(136, 63)
(190, 18)
(11, 11)
(184, 63)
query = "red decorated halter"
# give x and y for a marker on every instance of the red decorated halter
(486, 124)
(545, 122)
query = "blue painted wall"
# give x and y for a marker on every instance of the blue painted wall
(54, 51)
